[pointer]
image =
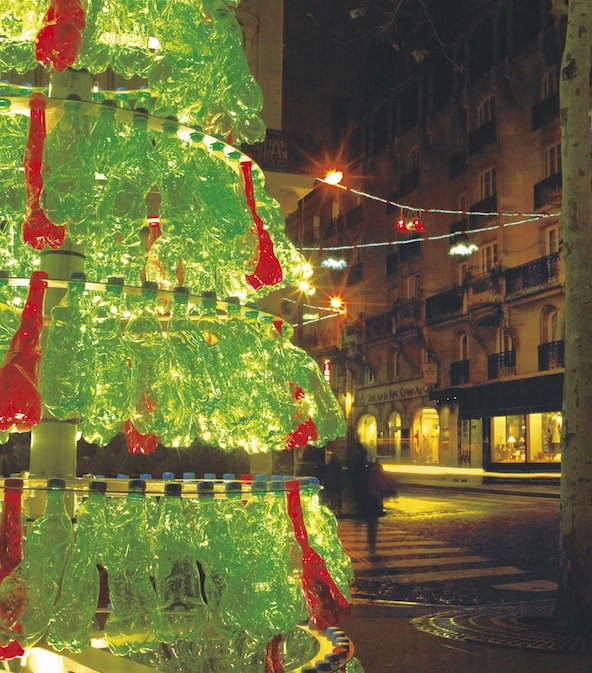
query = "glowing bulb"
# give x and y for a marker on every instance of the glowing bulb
(336, 303)
(333, 177)
(307, 270)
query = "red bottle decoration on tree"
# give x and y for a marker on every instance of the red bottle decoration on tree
(273, 663)
(11, 528)
(306, 432)
(58, 42)
(11, 546)
(268, 270)
(38, 230)
(137, 442)
(326, 604)
(20, 402)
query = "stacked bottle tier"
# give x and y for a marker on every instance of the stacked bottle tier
(190, 53)
(203, 558)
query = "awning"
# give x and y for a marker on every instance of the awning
(525, 396)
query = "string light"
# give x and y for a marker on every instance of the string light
(441, 211)
(438, 237)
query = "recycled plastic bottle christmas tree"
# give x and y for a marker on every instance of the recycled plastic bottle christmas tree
(133, 236)
(147, 189)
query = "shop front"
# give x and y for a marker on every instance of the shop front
(397, 423)
(508, 426)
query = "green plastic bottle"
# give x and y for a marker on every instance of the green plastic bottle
(190, 380)
(177, 209)
(75, 610)
(176, 577)
(134, 619)
(28, 594)
(12, 184)
(10, 316)
(104, 142)
(67, 196)
(149, 364)
(20, 21)
(106, 403)
(321, 525)
(321, 401)
(63, 366)
(131, 56)
(98, 37)
(123, 203)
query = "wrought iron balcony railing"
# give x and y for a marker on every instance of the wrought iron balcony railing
(551, 355)
(482, 137)
(459, 373)
(445, 305)
(548, 191)
(501, 363)
(545, 112)
(533, 274)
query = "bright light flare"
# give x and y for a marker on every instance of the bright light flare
(307, 288)
(336, 303)
(332, 263)
(333, 177)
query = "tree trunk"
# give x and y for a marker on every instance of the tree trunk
(574, 605)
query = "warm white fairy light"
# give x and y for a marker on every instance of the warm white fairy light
(463, 249)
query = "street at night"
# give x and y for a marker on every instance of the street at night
(458, 548)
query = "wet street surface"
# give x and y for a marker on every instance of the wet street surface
(458, 548)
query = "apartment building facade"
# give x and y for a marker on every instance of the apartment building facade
(445, 359)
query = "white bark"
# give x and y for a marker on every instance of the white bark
(574, 607)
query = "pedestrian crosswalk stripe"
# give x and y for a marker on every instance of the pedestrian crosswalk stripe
(385, 561)
(428, 563)
(446, 575)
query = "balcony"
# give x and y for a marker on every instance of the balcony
(409, 182)
(283, 152)
(457, 164)
(407, 313)
(445, 306)
(551, 355)
(379, 326)
(547, 192)
(535, 274)
(501, 364)
(482, 137)
(545, 112)
(459, 373)
(486, 205)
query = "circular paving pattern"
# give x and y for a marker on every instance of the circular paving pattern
(525, 625)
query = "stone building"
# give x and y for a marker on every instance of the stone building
(439, 358)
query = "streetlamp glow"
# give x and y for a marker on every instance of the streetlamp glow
(334, 177)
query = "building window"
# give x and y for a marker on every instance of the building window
(486, 111)
(488, 257)
(369, 377)
(394, 432)
(487, 183)
(394, 365)
(549, 85)
(463, 346)
(413, 159)
(552, 158)
(551, 328)
(552, 241)
(392, 260)
(316, 228)
(509, 438)
(413, 286)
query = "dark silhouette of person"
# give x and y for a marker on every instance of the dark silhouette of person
(367, 494)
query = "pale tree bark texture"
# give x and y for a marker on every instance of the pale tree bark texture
(574, 604)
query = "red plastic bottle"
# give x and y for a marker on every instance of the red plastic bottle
(268, 270)
(20, 402)
(11, 527)
(38, 230)
(137, 442)
(11, 546)
(326, 604)
(58, 42)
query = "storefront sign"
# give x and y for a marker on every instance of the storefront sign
(394, 392)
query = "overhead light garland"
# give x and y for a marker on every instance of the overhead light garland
(416, 224)
(438, 237)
